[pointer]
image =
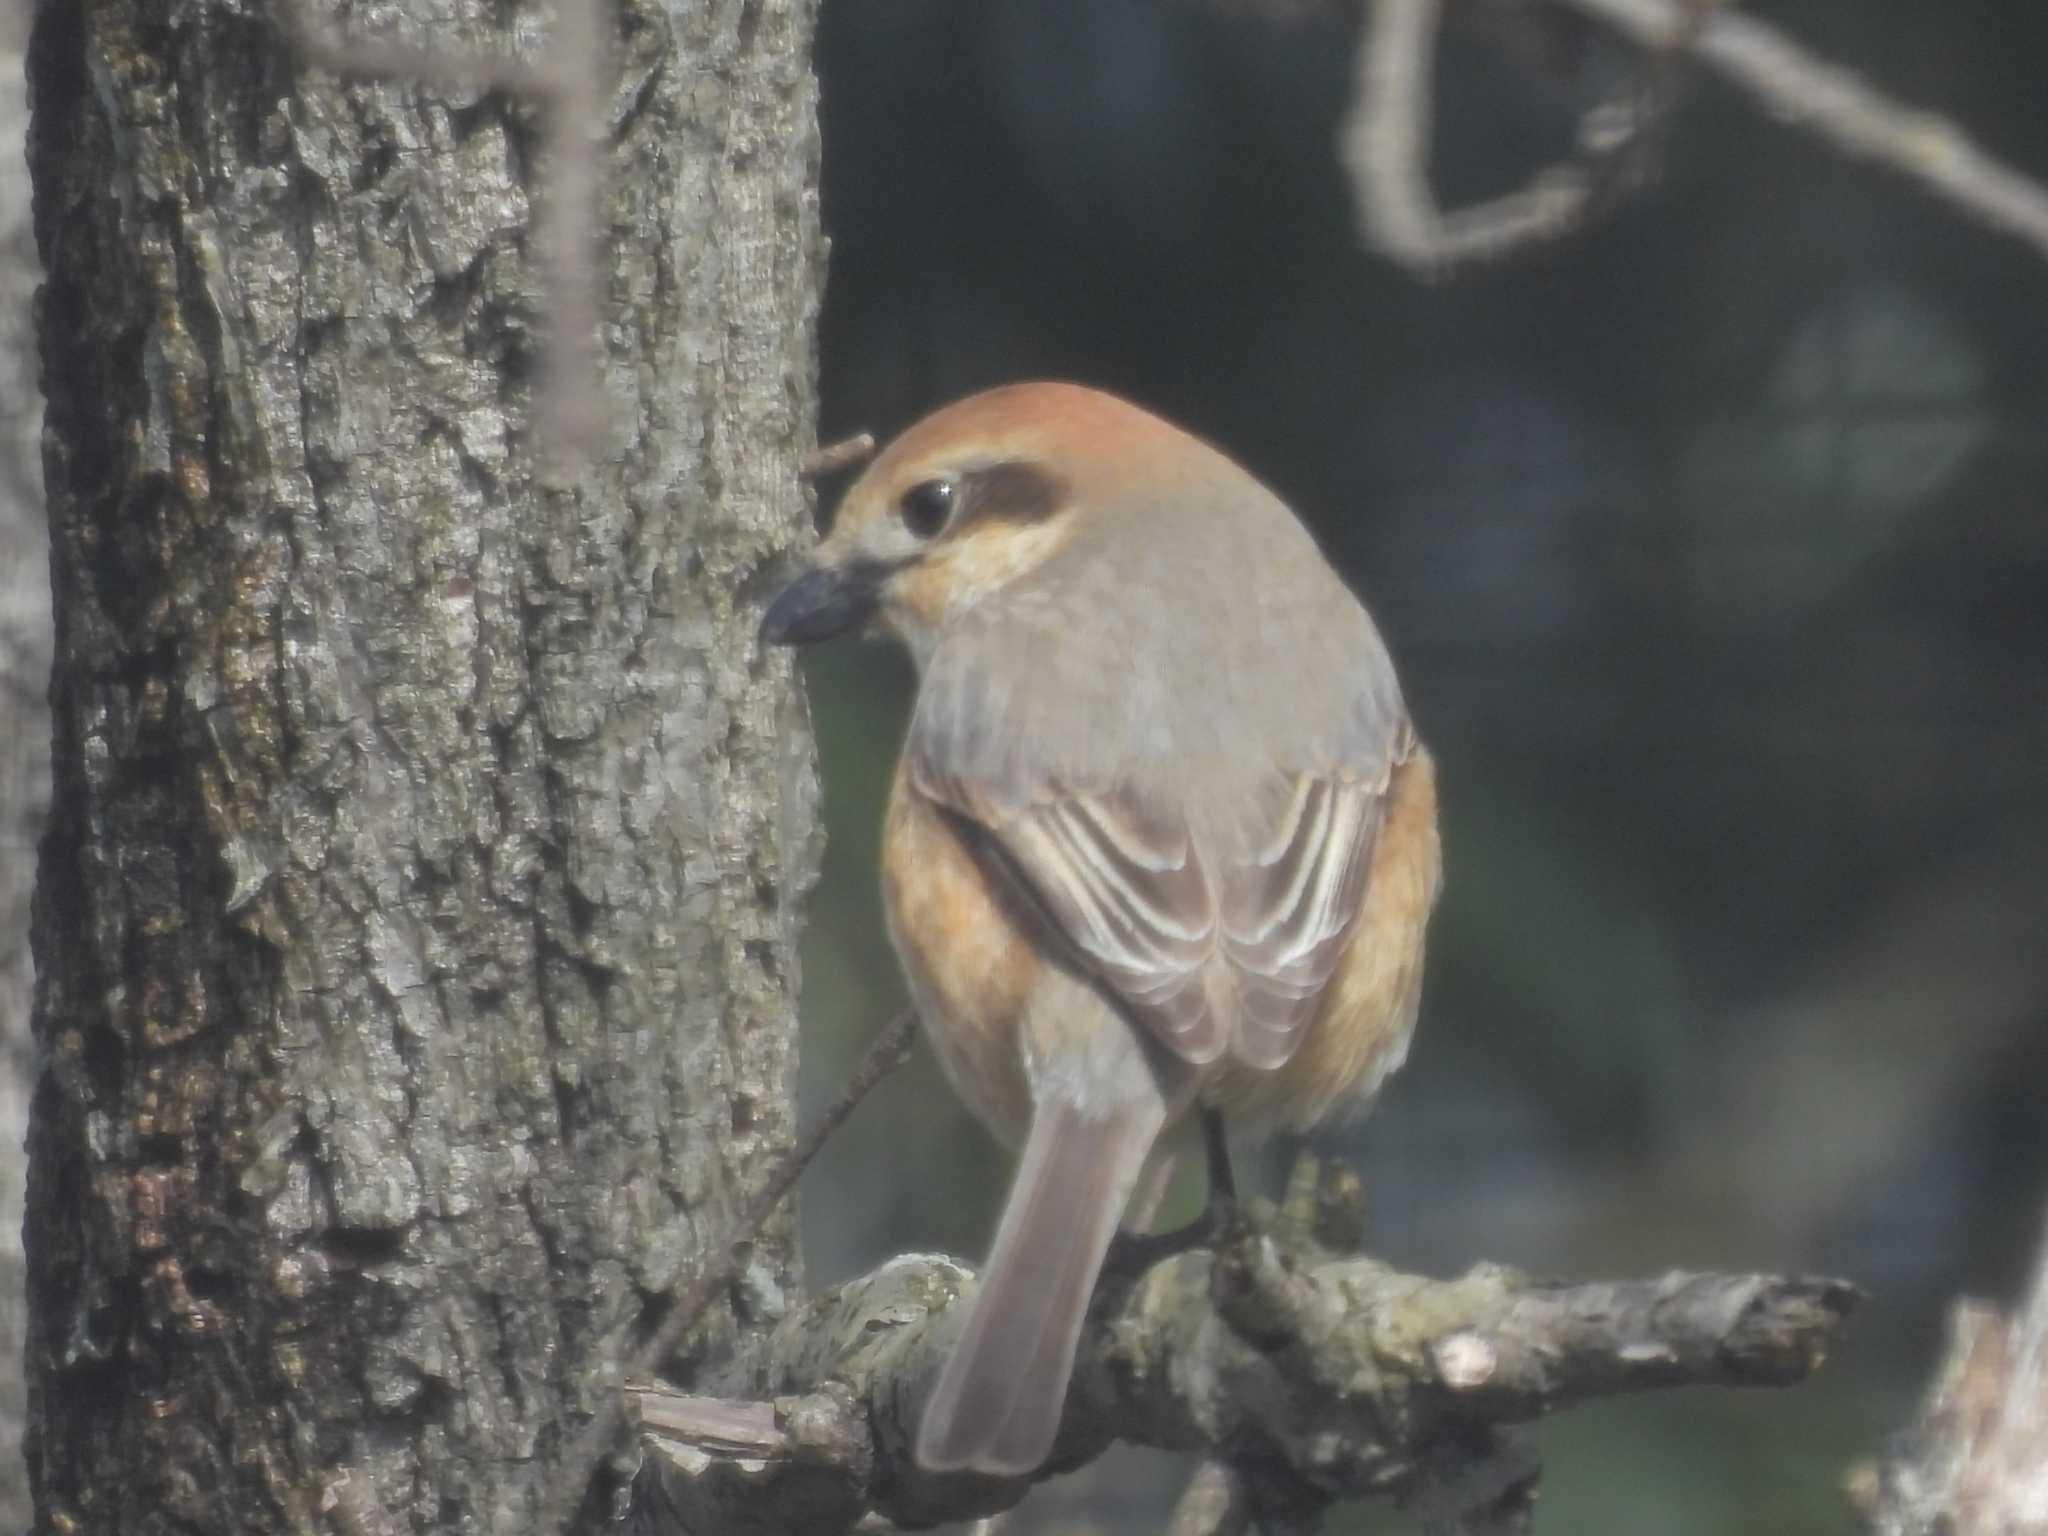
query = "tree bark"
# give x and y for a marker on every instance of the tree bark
(1975, 1460)
(414, 923)
(24, 730)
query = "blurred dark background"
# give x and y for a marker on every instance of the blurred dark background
(1713, 547)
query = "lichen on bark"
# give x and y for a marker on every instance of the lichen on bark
(414, 927)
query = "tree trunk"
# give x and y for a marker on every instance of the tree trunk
(413, 924)
(24, 729)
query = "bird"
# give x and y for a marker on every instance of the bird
(1161, 841)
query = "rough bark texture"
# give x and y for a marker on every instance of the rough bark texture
(1975, 1463)
(414, 921)
(1303, 1374)
(24, 729)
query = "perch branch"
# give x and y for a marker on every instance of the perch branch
(1310, 1376)
(571, 1477)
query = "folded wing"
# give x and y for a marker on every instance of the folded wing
(1288, 912)
(1212, 956)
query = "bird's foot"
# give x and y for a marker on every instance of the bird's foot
(1132, 1253)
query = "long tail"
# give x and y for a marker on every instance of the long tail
(998, 1402)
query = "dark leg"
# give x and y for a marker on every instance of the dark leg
(1133, 1252)
(1222, 1182)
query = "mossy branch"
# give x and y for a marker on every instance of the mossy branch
(1310, 1374)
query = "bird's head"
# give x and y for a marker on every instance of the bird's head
(963, 504)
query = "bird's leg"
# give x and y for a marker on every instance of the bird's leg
(1216, 1146)
(1134, 1252)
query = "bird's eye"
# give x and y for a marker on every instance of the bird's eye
(926, 506)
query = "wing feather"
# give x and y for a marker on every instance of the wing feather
(1231, 961)
(1124, 888)
(1288, 915)
(1212, 954)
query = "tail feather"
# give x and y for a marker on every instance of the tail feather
(998, 1402)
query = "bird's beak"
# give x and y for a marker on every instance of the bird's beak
(824, 601)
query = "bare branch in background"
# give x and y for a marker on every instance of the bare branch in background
(1794, 86)
(569, 400)
(1386, 140)
(361, 58)
(1385, 144)
(1976, 1463)
(568, 85)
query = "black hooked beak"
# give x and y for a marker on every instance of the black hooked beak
(824, 601)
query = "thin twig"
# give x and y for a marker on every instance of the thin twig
(364, 58)
(890, 1049)
(568, 396)
(831, 458)
(1796, 87)
(1386, 147)
(1387, 136)
(569, 403)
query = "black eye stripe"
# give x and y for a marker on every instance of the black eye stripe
(1014, 491)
